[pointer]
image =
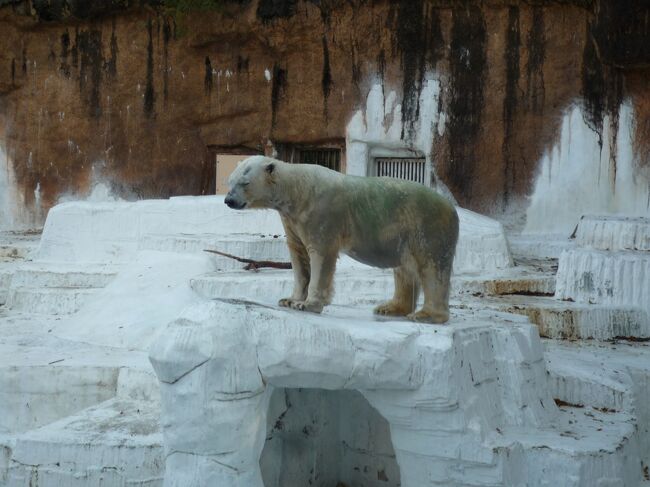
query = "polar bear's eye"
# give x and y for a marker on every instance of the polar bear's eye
(245, 183)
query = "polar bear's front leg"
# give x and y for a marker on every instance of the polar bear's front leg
(301, 272)
(320, 290)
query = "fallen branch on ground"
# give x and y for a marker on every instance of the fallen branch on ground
(253, 265)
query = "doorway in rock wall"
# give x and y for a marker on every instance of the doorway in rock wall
(324, 438)
(225, 164)
(329, 155)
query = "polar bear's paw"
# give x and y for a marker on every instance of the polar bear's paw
(287, 302)
(392, 308)
(429, 316)
(311, 306)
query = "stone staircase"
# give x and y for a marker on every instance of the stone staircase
(55, 289)
(15, 248)
(271, 247)
(117, 442)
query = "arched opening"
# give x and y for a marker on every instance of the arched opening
(324, 438)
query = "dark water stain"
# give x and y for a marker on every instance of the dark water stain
(24, 61)
(269, 10)
(111, 64)
(511, 59)
(381, 64)
(536, 47)
(602, 78)
(622, 32)
(326, 80)
(149, 94)
(65, 52)
(51, 57)
(468, 63)
(74, 52)
(91, 63)
(61, 10)
(50, 10)
(167, 35)
(207, 80)
(13, 71)
(242, 64)
(277, 90)
(355, 69)
(420, 44)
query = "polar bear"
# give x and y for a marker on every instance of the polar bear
(382, 222)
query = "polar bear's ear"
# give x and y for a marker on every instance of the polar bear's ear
(270, 168)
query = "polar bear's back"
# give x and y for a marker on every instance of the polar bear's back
(390, 217)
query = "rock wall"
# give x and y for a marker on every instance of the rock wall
(140, 96)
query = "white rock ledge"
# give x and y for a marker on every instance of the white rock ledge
(101, 233)
(604, 277)
(444, 391)
(613, 232)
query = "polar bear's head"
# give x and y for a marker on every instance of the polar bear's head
(251, 183)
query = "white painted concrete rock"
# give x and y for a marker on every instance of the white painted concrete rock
(604, 277)
(256, 396)
(83, 232)
(614, 233)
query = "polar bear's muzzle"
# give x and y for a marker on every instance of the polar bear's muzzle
(234, 203)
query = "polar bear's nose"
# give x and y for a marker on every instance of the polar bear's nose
(234, 203)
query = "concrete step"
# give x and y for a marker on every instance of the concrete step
(117, 442)
(248, 246)
(567, 320)
(17, 245)
(357, 285)
(517, 280)
(614, 376)
(614, 232)
(38, 275)
(607, 376)
(585, 447)
(6, 272)
(44, 378)
(351, 286)
(49, 301)
(53, 288)
(605, 277)
(542, 247)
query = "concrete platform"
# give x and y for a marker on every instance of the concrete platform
(248, 246)
(566, 320)
(614, 232)
(45, 275)
(44, 378)
(114, 232)
(467, 403)
(55, 289)
(541, 247)
(357, 284)
(610, 377)
(605, 277)
(117, 442)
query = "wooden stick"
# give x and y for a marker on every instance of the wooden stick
(253, 264)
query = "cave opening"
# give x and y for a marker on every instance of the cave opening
(325, 438)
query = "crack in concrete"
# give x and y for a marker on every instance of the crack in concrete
(185, 373)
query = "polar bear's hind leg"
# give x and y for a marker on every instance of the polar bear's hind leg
(435, 283)
(405, 296)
